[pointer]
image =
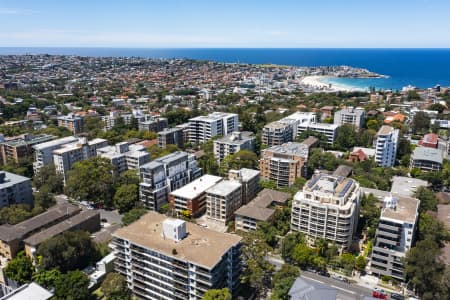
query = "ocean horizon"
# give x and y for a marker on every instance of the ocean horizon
(420, 67)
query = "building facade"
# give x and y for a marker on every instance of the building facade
(153, 124)
(233, 143)
(327, 207)
(192, 196)
(386, 146)
(165, 174)
(328, 130)
(171, 136)
(277, 133)
(283, 164)
(15, 189)
(249, 179)
(222, 200)
(43, 152)
(64, 158)
(203, 128)
(350, 115)
(72, 122)
(427, 159)
(124, 156)
(21, 147)
(172, 259)
(394, 236)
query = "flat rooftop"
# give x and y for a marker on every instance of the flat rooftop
(201, 246)
(406, 210)
(237, 137)
(339, 186)
(54, 143)
(276, 125)
(406, 186)
(196, 187)
(30, 291)
(385, 130)
(428, 154)
(11, 179)
(246, 174)
(224, 188)
(290, 148)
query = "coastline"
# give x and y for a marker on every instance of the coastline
(320, 83)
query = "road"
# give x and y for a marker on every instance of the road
(345, 291)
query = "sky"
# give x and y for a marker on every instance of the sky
(225, 23)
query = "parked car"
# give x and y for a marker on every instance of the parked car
(397, 296)
(324, 273)
(379, 294)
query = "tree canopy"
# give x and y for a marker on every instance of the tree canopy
(73, 286)
(20, 269)
(114, 287)
(215, 294)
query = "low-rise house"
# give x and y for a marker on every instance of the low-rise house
(260, 209)
(430, 140)
(427, 159)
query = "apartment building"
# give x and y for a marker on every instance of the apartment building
(185, 129)
(15, 189)
(283, 164)
(427, 159)
(192, 196)
(124, 156)
(350, 115)
(249, 180)
(277, 133)
(164, 258)
(394, 236)
(43, 152)
(286, 129)
(12, 236)
(222, 200)
(260, 209)
(386, 146)
(328, 130)
(327, 207)
(232, 143)
(154, 124)
(20, 147)
(165, 174)
(65, 157)
(171, 136)
(88, 220)
(203, 128)
(72, 122)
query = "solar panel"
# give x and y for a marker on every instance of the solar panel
(345, 189)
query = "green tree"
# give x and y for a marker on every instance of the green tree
(428, 200)
(371, 214)
(257, 270)
(133, 215)
(283, 280)
(360, 263)
(68, 251)
(20, 269)
(290, 241)
(321, 160)
(346, 137)
(424, 270)
(73, 286)
(420, 123)
(347, 262)
(238, 160)
(432, 229)
(126, 197)
(47, 278)
(215, 294)
(44, 198)
(47, 177)
(114, 287)
(372, 124)
(303, 255)
(91, 180)
(14, 214)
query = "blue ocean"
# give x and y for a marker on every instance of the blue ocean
(422, 68)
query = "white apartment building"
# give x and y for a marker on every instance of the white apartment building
(328, 130)
(203, 128)
(233, 143)
(124, 156)
(394, 236)
(65, 157)
(222, 200)
(165, 174)
(327, 207)
(170, 259)
(350, 115)
(386, 146)
(286, 129)
(249, 179)
(44, 152)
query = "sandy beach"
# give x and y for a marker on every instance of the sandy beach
(316, 82)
